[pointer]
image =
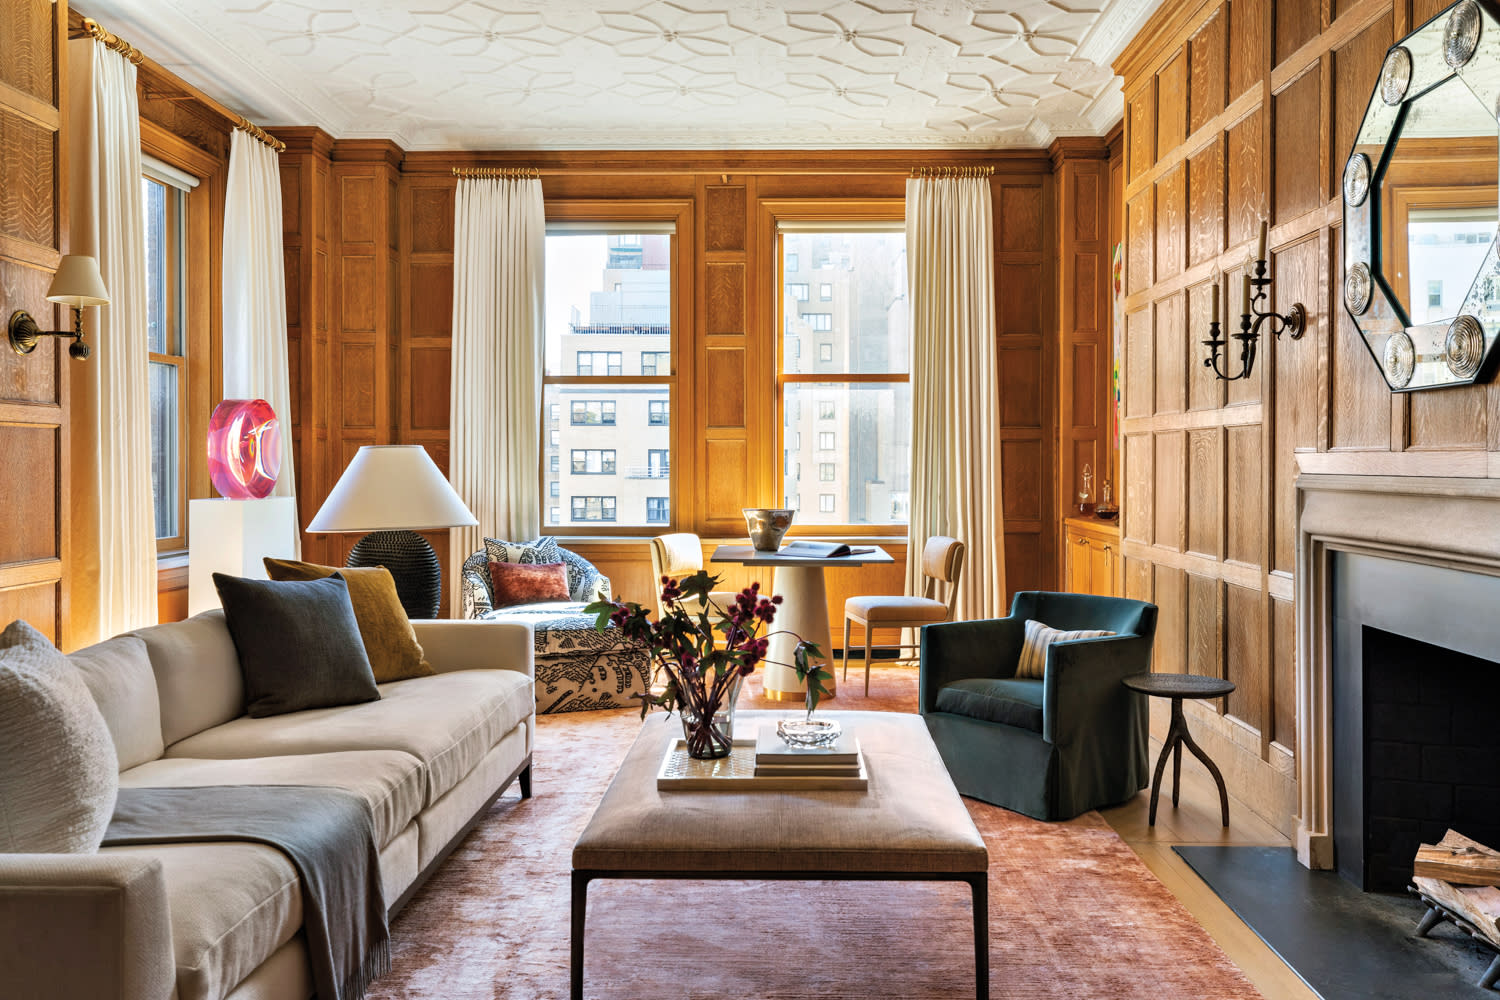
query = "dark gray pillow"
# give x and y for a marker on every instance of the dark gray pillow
(298, 643)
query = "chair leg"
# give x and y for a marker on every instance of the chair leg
(869, 633)
(846, 647)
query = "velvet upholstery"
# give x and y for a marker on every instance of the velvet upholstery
(1090, 750)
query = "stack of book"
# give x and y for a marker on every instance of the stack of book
(775, 759)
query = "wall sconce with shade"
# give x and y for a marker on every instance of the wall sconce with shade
(392, 492)
(77, 283)
(1252, 318)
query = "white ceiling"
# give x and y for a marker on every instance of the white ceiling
(644, 74)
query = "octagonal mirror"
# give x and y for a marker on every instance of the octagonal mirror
(1420, 190)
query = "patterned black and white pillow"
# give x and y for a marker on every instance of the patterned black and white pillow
(537, 551)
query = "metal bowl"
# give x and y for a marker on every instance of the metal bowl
(767, 526)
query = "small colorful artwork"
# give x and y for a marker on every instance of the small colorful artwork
(244, 449)
(1117, 289)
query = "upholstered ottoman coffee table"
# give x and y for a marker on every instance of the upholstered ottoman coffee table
(909, 825)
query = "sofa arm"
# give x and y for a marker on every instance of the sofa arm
(1082, 692)
(456, 644)
(955, 650)
(84, 927)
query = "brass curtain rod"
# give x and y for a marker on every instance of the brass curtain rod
(118, 44)
(503, 173)
(933, 172)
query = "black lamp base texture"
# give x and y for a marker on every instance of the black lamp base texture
(413, 564)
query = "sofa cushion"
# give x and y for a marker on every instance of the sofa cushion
(299, 643)
(58, 769)
(1012, 702)
(519, 583)
(389, 640)
(392, 782)
(118, 674)
(231, 905)
(447, 721)
(197, 674)
(1033, 662)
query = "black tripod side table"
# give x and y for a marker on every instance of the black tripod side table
(1178, 687)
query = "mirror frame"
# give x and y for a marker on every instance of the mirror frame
(1463, 42)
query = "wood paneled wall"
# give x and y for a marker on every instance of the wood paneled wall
(1238, 110)
(34, 467)
(385, 222)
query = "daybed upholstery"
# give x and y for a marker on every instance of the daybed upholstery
(578, 668)
(224, 920)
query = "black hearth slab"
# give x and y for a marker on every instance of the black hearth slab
(1344, 943)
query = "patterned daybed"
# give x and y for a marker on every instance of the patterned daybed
(577, 667)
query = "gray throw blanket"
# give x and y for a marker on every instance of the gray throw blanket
(326, 832)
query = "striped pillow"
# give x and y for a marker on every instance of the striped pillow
(1039, 637)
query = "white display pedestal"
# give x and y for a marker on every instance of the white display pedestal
(232, 536)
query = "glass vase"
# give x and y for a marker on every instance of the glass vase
(710, 733)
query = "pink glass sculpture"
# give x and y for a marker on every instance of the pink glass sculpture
(244, 449)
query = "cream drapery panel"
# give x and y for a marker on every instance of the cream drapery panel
(494, 458)
(111, 520)
(255, 344)
(955, 480)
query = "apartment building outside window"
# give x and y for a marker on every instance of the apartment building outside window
(856, 427)
(608, 304)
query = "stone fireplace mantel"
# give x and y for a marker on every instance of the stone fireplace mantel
(1440, 522)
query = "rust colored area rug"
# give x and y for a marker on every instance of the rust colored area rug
(1073, 912)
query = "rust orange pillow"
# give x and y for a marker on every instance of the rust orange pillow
(390, 641)
(528, 583)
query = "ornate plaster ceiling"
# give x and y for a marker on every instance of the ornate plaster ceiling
(641, 74)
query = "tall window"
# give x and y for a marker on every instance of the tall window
(857, 381)
(609, 298)
(166, 304)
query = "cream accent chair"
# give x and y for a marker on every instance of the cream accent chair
(942, 560)
(679, 555)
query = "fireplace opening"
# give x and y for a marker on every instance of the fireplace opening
(1430, 752)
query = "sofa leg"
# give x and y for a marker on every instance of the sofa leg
(525, 778)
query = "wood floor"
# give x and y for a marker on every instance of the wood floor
(1196, 820)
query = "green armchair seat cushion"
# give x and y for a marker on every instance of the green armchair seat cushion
(1012, 702)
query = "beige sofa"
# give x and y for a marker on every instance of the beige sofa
(211, 921)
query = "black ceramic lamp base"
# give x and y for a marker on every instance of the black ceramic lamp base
(413, 564)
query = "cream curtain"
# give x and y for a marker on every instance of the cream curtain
(111, 521)
(955, 481)
(494, 458)
(255, 346)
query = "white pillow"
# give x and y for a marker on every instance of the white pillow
(1033, 661)
(58, 769)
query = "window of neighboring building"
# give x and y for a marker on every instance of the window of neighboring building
(554, 515)
(554, 437)
(600, 362)
(554, 412)
(166, 307)
(609, 296)
(1434, 295)
(590, 508)
(593, 461)
(856, 379)
(793, 264)
(798, 291)
(593, 411)
(658, 510)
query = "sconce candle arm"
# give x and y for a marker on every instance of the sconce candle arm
(1294, 323)
(24, 333)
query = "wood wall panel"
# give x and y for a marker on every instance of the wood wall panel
(431, 299)
(1169, 586)
(35, 474)
(724, 285)
(431, 381)
(1295, 80)
(727, 373)
(1021, 395)
(1172, 107)
(1169, 490)
(1171, 223)
(727, 224)
(1023, 498)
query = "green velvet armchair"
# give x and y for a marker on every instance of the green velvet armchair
(1050, 748)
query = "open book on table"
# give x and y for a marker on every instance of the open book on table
(825, 550)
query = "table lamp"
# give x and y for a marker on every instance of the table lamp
(393, 491)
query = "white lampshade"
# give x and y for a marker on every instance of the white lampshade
(77, 283)
(389, 488)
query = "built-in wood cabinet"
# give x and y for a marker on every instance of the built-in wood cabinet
(1092, 556)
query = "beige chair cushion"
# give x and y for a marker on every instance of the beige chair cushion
(58, 769)
(896, 610)
(118, 674)
(677, 555)
(446, 721)
(197, 674)
(391, 782)
(1033, 662)
(942, 558)
(231, 905)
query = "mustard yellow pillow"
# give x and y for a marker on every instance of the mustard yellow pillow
(390, 641)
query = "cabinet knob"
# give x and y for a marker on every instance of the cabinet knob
(1083, 541)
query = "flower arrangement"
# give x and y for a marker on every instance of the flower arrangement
(706, 652)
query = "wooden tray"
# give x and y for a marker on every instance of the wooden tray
(736, 773)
